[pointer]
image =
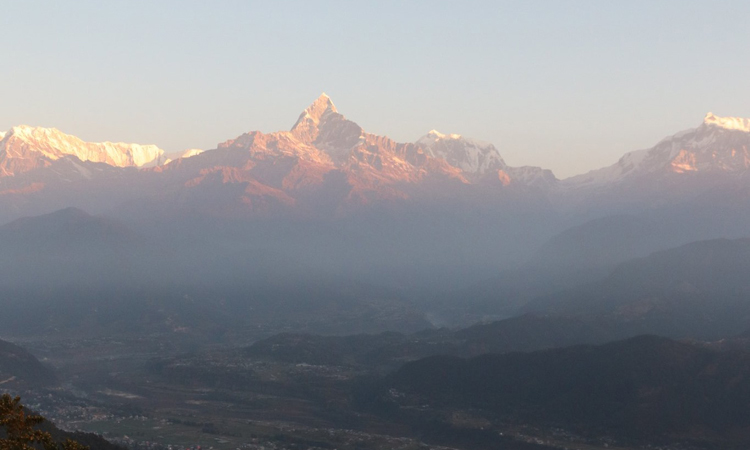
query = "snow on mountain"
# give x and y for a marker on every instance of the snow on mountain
(191, 152)
(532, 176)
(306, 129)
(728, 123)
(169, 157)
(482, 160)
(469, 155)
(323, 140)
(322, 126)
(324, 145)
(24, 148)
(718, 145)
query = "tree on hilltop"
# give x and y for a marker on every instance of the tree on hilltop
(18, 432)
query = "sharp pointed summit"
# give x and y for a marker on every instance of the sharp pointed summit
(306, 127)
(321, 106)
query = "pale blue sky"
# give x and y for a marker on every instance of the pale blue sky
(567, 85)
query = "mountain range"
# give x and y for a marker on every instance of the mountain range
(327, 164)
(435, 220)
(437, 247)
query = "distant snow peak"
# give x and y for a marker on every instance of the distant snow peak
(435, 135)
(27, 143)
(728, 123)
(705, 149)
(306, 127)
(470, 155)
(183, 154)
(321, 107)
(191, 152)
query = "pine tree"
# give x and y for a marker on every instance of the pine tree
(20, 432)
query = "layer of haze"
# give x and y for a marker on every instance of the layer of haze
(569, 86)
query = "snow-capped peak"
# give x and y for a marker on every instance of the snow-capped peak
(728, 123)
(704, 149)
(436, 135)
(191, 152)
(183, 154)
(27, 143)
(470, 155)
(306, 127)
(321, 107)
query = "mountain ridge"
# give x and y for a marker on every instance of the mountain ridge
(328, 166)
(321, 125)
(24, 148)
(718, 144)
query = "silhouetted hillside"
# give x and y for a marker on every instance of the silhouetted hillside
(641, 387)
(19, 366)
(699, 290)
(588, 252)
(72, 248)
(390, 350)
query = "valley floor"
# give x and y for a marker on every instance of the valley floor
(218, 398)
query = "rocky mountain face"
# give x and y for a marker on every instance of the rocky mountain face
(327, 164)
(482, 161)
(325, 161)
(471, 156)
(444, 194)
(718, 146)
(323, 153)
(25, 148)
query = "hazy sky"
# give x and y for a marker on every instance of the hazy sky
(567, 85)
